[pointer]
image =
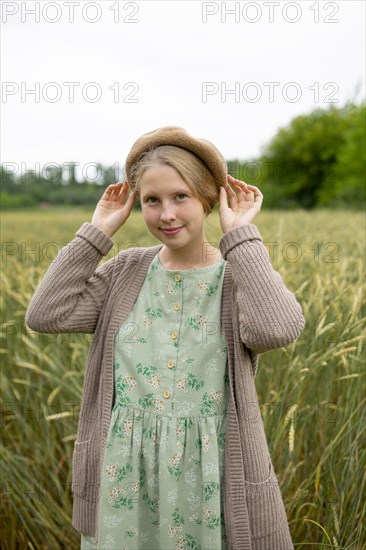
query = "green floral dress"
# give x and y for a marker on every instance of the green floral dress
(164, 461)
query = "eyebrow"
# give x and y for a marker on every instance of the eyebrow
(152, 194)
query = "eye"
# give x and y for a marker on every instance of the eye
(178, 195)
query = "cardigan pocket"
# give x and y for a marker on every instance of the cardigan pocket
(265, 506)
(79, 468)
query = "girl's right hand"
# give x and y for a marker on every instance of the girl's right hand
(113, 209)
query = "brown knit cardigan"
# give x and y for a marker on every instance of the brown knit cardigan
(258, 313)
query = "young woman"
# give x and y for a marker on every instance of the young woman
(171, 451)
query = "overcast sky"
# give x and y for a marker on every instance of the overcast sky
(145, 64)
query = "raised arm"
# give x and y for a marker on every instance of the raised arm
(269, 314)
(71, 294)
(72, 291)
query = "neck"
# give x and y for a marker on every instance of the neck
(201, 256)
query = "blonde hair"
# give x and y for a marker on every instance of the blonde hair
(190, 168)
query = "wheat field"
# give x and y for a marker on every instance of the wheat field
(312, 393)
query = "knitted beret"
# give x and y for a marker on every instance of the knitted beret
(179, 137)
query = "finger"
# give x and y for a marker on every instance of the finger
(132, 196)
(232, 197)
(131, 199)
(241, 190)
(223, 197)
(244, 185)
(122, 192)
(114, 187)
(235, 180)
(110, 189)
(223, 192)
(241, 185)
(109, 194)
(255, 190)
(232, 178)
(252, 193)
(244, 195)
(256, 197)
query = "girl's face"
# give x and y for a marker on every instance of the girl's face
(167, 202)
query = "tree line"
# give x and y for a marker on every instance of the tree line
(317, 160)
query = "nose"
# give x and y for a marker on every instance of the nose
(168, 213)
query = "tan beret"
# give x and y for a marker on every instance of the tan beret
(179, 137)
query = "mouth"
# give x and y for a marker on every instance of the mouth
(172, 230)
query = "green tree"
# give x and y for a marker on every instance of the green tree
(318, 159)
(348, 185)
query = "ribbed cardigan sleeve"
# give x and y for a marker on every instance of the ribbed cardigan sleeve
(70, 296)
(269, 315)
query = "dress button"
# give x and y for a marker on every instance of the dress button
(177, 277)
(166, 394)
(177, 307)
(174, 335)
(170, 364)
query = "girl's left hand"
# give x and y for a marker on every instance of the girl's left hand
(245, 205)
